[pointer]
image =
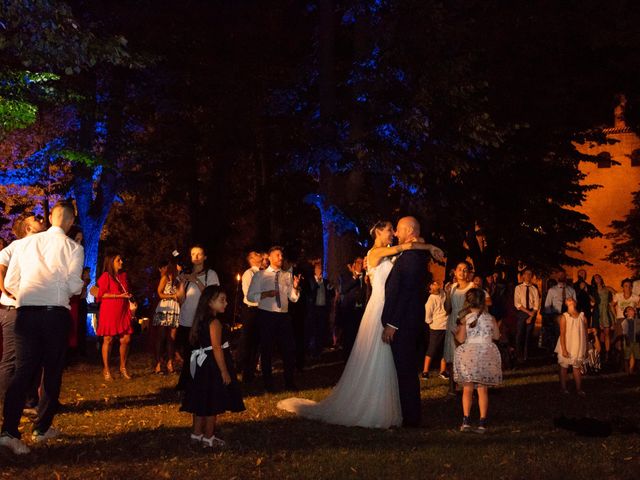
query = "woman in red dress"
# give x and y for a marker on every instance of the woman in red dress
(112, 291)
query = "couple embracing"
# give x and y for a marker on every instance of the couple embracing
(379, 387)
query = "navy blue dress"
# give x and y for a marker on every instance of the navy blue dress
(206, 394)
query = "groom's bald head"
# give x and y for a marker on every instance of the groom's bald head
(408, 228)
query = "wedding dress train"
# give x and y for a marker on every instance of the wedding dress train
(367, 393)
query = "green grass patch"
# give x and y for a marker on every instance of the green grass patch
(133, 429)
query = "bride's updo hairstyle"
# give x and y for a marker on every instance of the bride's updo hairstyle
(379, 225)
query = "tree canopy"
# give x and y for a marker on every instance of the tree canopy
(214, 121)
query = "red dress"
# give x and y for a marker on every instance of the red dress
(115, 315)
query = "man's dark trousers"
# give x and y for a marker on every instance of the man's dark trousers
(41, 335)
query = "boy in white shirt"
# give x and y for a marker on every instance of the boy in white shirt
(436, 318)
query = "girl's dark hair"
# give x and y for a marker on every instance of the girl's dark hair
(474, 298)
(464, 262)
(379, 225)
(593, 280)
(172, 268)
(203, 313)
(107, 265)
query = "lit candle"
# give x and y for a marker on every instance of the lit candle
(235, 301)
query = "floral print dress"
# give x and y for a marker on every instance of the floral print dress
(477, 360)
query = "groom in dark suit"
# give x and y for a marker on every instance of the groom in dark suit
(403, 317)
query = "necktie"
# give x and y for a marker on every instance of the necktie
(277, 289)
(564, 296)
(526, 298)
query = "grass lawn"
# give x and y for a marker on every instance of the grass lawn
(132, 429)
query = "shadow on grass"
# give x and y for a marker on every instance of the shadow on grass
(521, 416)
(161, 396)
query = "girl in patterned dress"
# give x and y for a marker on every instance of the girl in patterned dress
(167, 314)
(477, 361)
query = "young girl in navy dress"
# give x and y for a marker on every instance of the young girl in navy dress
(213, 388)
(477, 361)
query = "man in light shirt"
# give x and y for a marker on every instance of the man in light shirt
(44, 274)
(24, 226)
(250, 334)
(554, 306)
(272, 289)
(527, 302)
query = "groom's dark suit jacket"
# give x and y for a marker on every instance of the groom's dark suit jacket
(404, 301)
(406, 291)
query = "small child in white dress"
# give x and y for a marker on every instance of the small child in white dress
(477, 361)
(572, 345)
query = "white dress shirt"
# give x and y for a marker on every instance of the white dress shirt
(520, 297)
(246, 282)
(264, 281)
(46, 269)
(5, 259)
(435, 313)
(553, 302)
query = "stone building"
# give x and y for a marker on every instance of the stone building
(618, 171)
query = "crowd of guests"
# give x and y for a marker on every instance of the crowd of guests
(470, 320)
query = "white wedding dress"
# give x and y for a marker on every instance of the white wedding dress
(367, 393)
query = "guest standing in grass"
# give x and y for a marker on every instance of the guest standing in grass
(572, 345)
(631, 339)
(477, 361)
(213, 388)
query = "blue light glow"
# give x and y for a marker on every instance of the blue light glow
(331, 217)
(410, 188)
(388, 132)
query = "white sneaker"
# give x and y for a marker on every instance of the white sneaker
(50, 434)
(16, 445)
(213, 442)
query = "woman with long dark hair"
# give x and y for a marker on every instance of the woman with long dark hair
(114, 320)
(603, 312)
(167, 314)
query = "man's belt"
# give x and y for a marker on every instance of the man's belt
(43, 308)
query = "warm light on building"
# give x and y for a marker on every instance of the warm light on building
(614, 199)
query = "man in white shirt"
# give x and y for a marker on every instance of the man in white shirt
(554, 306)
(527, 302)
(24, 226)
(250, 333)
(272, 289)
(44, 272)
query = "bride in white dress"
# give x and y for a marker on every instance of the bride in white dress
(367, 393)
